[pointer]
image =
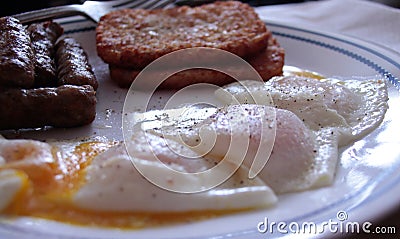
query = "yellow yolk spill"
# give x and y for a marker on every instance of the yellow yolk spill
(294, 71)
(48, 187)
(49, 195)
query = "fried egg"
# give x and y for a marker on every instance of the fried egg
(354, 107)
(95, 183)
(285, 145)
(298, 159)
(114, 184)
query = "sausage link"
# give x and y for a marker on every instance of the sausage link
(63, 106)
(44, 36)
(16, 55)
(72, 64)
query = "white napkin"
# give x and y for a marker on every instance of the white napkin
(362, 19)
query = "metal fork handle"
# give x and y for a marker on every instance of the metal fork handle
(79, 9)
(48, 13)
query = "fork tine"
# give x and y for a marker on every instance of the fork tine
(90, 9)
(152, 4)
(161, 4)
(129, 3)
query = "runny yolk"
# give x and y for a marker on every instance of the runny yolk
(52, 186)
(294, 71)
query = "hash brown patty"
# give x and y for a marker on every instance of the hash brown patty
(268, 63)
(132, 38)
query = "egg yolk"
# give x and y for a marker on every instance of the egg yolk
(49, 188)
(294, 71)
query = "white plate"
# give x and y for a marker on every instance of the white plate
(367, 184)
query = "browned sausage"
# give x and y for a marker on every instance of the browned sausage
(44, 36)
(64, 106)
(73, 65)
(16, 55)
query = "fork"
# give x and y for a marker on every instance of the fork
(90, 9)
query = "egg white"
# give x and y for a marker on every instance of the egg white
(337, 112)
(12, 183)
(355, 107)
(301, 158)
(114, 184)
(19, 161)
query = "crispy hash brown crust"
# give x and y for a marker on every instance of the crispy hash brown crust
(268, 63)
(132, 38)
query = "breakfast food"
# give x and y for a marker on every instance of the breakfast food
(136, 37)
(44, 80)
(44, 36)
(354, 107)
(16, 55)
(130, 39)
(95, 182)
(299, 161)
(73, 64)
(63, 106)
(268, 63)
